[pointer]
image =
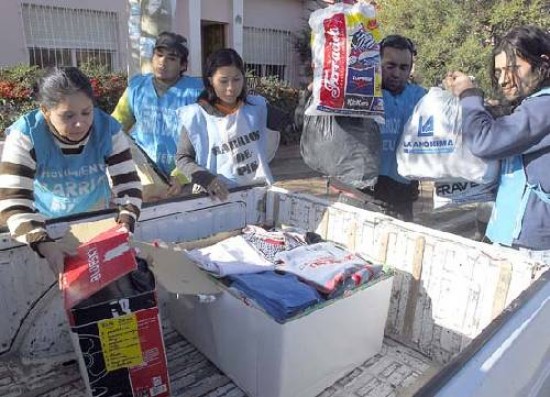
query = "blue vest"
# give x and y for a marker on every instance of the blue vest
(512, 197)
(234, 146)
(69, 184)
(397, 110)
(157, 128)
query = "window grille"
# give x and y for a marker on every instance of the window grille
(270, 52)
(60, 36)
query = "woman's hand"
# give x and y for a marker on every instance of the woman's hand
(217, 189)
(458, 82)
(55, 255)
(125, 227)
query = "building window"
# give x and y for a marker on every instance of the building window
(269, 52)
(254, 69)
(95, 57)
(258, 70)
(57, 36)
(45, 57)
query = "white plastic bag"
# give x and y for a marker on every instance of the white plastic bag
(347, 78)
(431, 147)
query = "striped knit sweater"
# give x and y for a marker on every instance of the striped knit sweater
(17, 170)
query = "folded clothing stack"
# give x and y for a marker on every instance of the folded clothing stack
(284, 271)
(281, 295)
(328, 267)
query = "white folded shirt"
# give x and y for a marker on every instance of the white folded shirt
(231, 256)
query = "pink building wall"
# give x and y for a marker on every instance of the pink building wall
(216, 10)
(285, 15)
(12, 40)
(274, 14)
(271, 14)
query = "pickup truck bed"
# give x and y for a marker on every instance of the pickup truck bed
(450, 298)
(192, 375)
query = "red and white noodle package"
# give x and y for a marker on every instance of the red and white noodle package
(347, 77)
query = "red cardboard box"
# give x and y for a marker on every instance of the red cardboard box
(115, 323)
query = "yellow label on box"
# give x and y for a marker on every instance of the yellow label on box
(120, 342)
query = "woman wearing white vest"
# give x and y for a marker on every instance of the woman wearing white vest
(223, 141)
(55, 162)
(521, 140)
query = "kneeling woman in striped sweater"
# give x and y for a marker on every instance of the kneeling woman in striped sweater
(55, 162)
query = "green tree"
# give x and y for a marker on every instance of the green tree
(453, 34)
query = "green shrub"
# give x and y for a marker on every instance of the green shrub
(283, 100)
(277, 92)
(16, 90)
(108, 86)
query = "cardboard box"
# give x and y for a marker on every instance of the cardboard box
(299, 358)
(115, 326)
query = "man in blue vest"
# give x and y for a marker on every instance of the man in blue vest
(393, 194)
(148, 107)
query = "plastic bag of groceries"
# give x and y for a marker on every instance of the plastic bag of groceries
(347, 77)
(347, 148)
(450, 194)
(432, 148)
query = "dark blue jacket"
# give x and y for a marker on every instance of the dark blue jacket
(525, 132)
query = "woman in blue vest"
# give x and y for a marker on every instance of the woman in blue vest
(55, 162)
(521, 140)
(223, 141)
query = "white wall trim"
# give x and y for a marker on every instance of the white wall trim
(194, 68)
(236, 39)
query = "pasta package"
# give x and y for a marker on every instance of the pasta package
(347, 73)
